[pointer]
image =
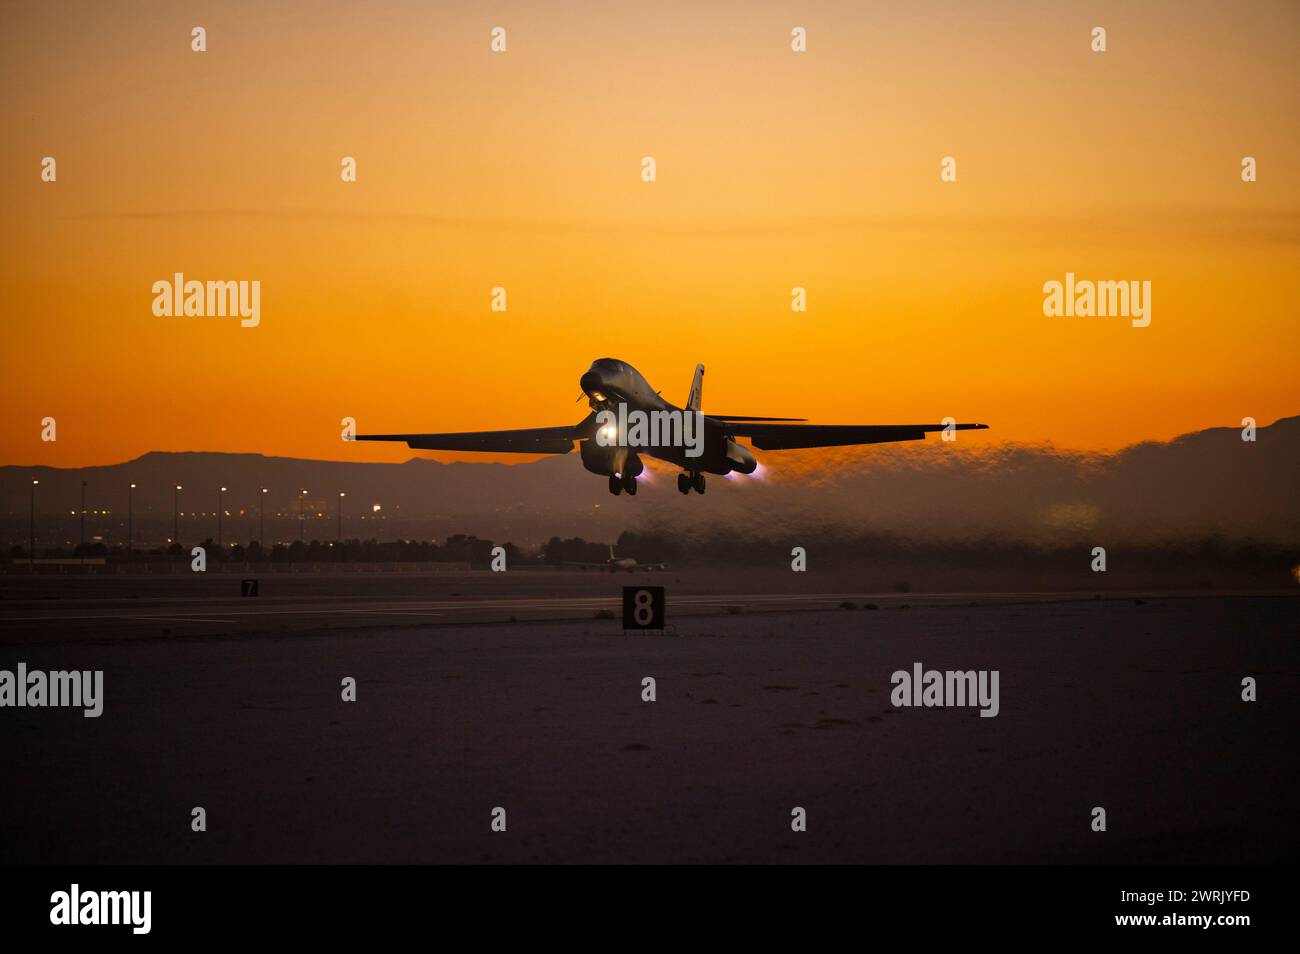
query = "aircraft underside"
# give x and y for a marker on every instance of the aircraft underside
(624, 465)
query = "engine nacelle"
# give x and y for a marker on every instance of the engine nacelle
(610, 460)
(742, 459)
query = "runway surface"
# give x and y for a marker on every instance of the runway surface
(1133, 704)
(80, 608)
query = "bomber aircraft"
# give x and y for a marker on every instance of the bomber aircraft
(629, 420)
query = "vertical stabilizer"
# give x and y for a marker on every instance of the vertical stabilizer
(697, 389)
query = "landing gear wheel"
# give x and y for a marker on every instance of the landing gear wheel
(629, 484)
(684, 483)
(697, 481)
(615, 485)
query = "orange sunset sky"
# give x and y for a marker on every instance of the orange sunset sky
(522, 170)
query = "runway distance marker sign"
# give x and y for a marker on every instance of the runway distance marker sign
(643, 607)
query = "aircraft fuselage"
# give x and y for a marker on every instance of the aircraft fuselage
(609, 383)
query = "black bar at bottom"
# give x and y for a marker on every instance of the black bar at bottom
(674, 904)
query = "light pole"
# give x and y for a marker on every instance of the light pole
(341, 496)
(176, 519)
(82, 548)
(130, 528)
(33, 541)
(261, 522)
(221, 496)
(302, 516)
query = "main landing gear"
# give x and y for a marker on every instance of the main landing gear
(688, 482)
(621, 482)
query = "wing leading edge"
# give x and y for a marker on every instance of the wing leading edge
(531, 440)
(792, 436)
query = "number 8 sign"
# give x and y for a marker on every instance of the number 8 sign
(643, 607)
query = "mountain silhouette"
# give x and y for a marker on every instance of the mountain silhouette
(1208, 484)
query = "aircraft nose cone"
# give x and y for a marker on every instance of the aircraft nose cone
(590, 381)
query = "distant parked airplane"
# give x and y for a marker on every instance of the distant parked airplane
(615, 563)
(629, 418)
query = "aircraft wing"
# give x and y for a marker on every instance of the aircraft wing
(531, 440)
(791, 436)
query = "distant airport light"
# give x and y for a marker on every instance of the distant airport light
(376, 508)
